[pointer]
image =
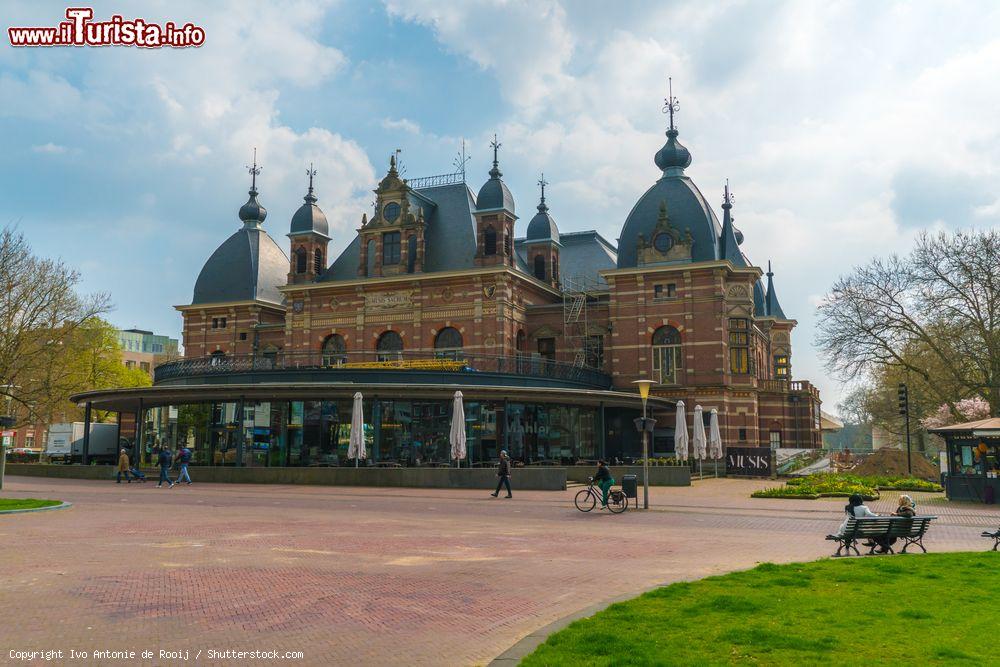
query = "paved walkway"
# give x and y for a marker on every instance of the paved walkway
(373, 576)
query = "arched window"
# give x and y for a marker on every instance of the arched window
(520, 340)
(334, 350)
(218, 357)
(300, 260)
(490, 241)
(508, 243)
(448, 344)
(555, 268)
(411, 253)
(389, 346)
(370, 259)
(666, 355)
(540, 267)
(317, 261)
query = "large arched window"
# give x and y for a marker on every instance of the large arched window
(540, 267)
(666, 355)
(389, 346)
(490, 241)
(317, 261)
(300, 260)
(448, 344)
(334, 350)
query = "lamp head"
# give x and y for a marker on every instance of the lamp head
(644, 386)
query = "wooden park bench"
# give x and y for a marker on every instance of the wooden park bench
(881, 531)
(995, 536)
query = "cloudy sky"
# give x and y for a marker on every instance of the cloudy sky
(845, 128)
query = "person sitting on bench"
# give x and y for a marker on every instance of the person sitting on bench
(855, 508)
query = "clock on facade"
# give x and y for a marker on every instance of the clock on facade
(663, 242)
(391, 212)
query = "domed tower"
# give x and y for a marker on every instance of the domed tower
(494, 219)
(310, 236)
(249, 265)
(542, 243)
(672, 222)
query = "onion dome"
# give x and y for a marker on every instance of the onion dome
(309, 217)
(689, 210)
(494, 194)
(543, 226)
(248, 266)
(252, 213)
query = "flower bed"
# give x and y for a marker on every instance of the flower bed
(842, 485)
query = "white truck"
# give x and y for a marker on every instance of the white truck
(65, 443)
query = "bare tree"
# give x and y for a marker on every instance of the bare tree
(41, 315)
(933, 315)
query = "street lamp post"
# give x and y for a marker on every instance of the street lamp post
(644, 394)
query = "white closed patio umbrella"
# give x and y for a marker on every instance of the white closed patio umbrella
(356, 445)
(681, 434)
(699, 442)
(457, 435)
(714, 439)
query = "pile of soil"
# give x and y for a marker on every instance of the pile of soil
(893, 462)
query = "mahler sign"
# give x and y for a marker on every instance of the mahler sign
(749, 462)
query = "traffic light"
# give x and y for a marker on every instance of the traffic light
(904, 399)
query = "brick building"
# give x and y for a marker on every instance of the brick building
(545, 333)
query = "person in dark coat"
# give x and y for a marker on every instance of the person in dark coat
(165, 459)
(503, 472)
(604, 480)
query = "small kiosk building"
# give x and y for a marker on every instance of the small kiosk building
(973, 460)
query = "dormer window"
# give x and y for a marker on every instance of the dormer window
(390, 248)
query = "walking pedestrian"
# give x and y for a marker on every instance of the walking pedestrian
(183, 459)
(165, 458)
(123, 467)
(503, 472)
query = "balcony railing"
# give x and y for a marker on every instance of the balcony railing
(345, 363)
(789, 387)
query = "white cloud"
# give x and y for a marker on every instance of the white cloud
(49, 148)
(401, 124)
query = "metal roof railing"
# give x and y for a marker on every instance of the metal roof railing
(450, 362)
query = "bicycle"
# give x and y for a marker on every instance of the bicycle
(587, 499)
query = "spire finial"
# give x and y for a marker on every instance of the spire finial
(542, 208)
(254, 170)
(727, 197)
(310, 172)
(770, 273)
(670, 104)
(495, 171)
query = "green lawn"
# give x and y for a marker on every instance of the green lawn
(906, 609)
(25, 503)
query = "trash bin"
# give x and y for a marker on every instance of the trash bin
(630, 486)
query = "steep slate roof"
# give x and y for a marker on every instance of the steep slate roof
(773, 308)
(248, 265)
(449, 238)
(582, 256)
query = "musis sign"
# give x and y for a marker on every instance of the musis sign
(749, 462)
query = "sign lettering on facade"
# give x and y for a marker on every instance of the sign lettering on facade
(388, 300)
(749, 461)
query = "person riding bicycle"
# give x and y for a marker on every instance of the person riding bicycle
(604, 480)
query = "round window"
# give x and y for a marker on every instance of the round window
(391, 212)
(663, 242)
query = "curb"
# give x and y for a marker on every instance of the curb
(62, 506)
(536, 638)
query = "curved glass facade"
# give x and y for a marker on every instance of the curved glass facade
(398, 432)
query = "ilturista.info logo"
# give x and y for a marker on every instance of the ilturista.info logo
(81, 30)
